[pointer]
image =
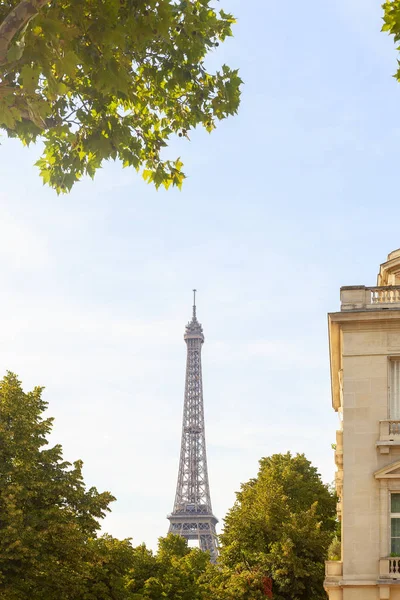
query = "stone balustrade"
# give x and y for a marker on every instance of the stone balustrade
(394, 428)
(389, 429)
(389, 568)
(359, 297)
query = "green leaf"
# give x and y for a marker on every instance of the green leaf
(70, 63)
(16, 51)
(30, 78)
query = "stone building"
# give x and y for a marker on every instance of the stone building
(365, 375)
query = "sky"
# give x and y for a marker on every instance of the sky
(283, 204)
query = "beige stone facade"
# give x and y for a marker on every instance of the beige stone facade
(365, 375)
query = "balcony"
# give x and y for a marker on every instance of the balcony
(339, 483)
(389, 435)
(389, 568)
(359, 297)
(333, 570)
(339, 449)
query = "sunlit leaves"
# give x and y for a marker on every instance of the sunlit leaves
(281, 526)
(174, 573)
(48, 518)
(115, 80)
(391, 18)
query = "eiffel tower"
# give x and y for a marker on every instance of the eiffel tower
(192, 516)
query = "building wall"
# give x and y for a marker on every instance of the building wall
(366, 348)
(360, 594)
(363, 338)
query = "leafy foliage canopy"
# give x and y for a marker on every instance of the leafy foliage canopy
(281, 526)
(278, 530)
(111, 80)
(48, 519)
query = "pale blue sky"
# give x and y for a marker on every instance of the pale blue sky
(296, 196)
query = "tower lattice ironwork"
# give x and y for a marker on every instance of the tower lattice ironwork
(192, 516)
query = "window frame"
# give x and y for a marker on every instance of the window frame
(393, 515)
(391, 361)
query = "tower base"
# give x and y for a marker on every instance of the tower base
(200, 527)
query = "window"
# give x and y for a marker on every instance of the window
(395, 524)
(394, 404)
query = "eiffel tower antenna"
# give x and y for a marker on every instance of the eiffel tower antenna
(194, 304)
(192, 515)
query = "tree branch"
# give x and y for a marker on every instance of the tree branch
(14, 21)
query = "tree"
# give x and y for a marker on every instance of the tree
(48, 519)
(238, 583)
(175, 572)
(111, 80)
(107, 569)
(49, 547)
(280, 526)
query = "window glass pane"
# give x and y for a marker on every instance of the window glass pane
(395, 546)
(395, 503)
(395, 528)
